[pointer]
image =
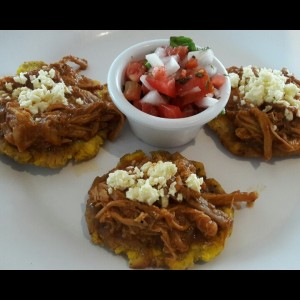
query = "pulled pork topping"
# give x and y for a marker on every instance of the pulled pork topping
(55, 105)
(146, 219)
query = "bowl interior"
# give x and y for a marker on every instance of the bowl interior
(115, 81)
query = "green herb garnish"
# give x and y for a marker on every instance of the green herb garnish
(207, 84)
(147, 64)
(183, 80)
(176, 41)
(199, 74)
(204, 48)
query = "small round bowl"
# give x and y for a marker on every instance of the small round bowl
(156, 131)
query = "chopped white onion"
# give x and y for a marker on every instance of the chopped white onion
(211, 70)
(183, 62)
(161, 52)
(146, 83)
(217, 93)
(166, 59)
(204, 56)
(193, 53)
(176, 57)
(195, 89)
(154, 60)
(206, 102)
(154, 98)
(172, 66)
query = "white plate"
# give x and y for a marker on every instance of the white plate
(42, 223)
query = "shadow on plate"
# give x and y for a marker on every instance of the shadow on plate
(33, 170)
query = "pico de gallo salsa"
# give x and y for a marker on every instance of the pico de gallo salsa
(174, 81)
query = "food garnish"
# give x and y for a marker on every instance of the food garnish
(175, 81)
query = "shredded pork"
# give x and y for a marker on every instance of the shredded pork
(59, 124)
(269, 133)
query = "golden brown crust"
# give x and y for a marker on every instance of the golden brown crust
(57, 157)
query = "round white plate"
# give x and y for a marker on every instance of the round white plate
(42, 224)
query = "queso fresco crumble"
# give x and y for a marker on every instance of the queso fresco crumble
(44, 93)
(149, 183)
(267, 87)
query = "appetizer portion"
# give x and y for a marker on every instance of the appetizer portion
(262, 117)
(51, 114)
(175, 81)
(161, 211)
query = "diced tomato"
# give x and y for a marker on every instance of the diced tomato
(189, 111)
(191, 98)
(159, 73)
(192, 63)
(175, 91)
(195, 78)
(182, 51)
(137, 104)
(181, 73)
(218, 80)
(149, 109)
(166, 86)
(169, 111)
(145, 90)
(135, 70)
(132, 91)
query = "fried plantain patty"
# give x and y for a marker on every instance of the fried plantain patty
(62, 133)
(173, 237)
(263, 131)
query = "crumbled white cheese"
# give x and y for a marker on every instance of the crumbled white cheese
(172, 189)
(159, 173)
(149, 183)
(179, 197)
(43, 78)
(164, 201)
(194, 183)
(146, 193)
(162, 169)
(79, 101)
(52, 73)
(290, 90)
(120, 180)
(21, 78)
(269, 86)
(38, 100)
(288, 114)
(267, 108)
(45, 92)
(8, 86)
(234, 79)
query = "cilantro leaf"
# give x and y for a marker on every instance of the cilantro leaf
(176, 41)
